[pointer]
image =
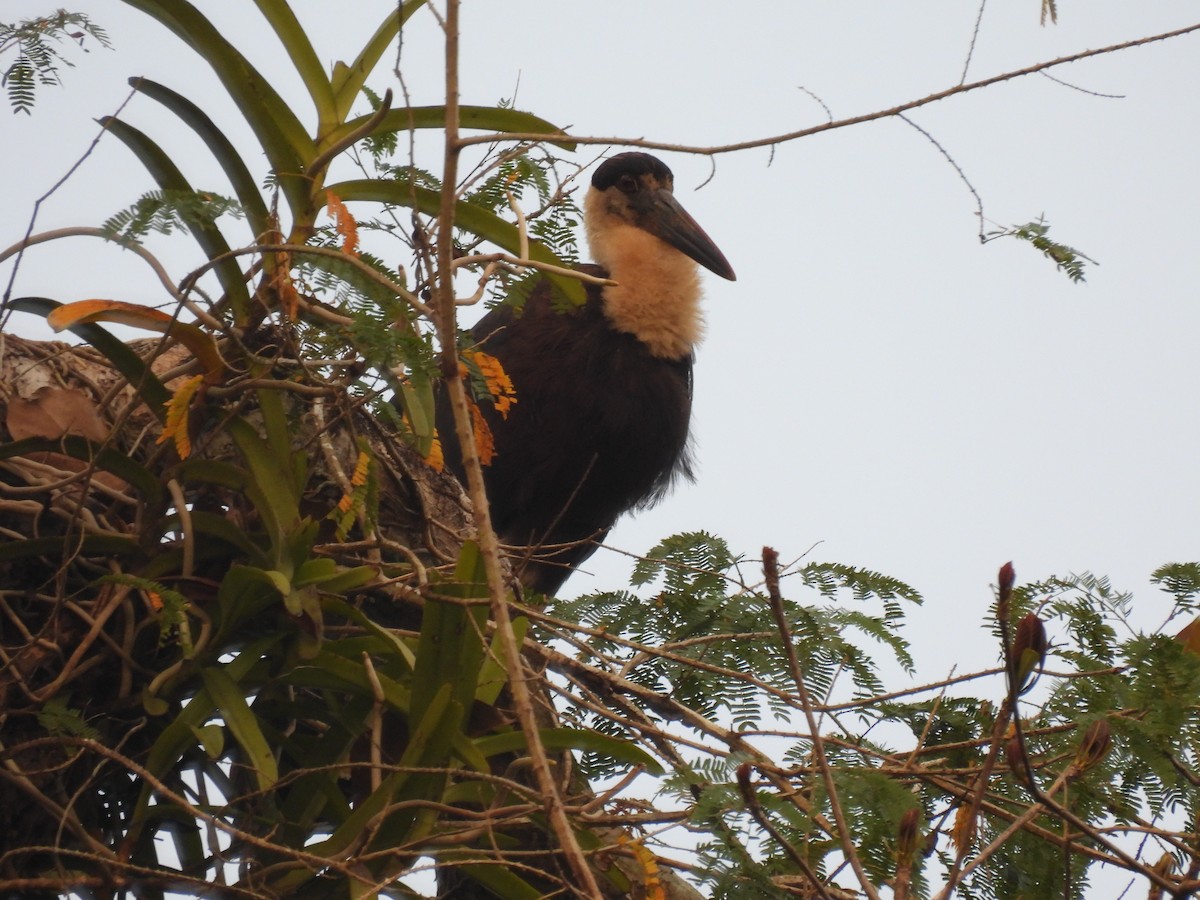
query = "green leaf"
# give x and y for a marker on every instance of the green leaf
(493, 675)
(415, 754)
(70, 546)
(472, 218)
(212, 739)
(573, 739)
(179, 735)
(60, 719)
(270, 488)
(498, 881)
(314, 571)
(416, 393)
(450, 649)
(243, 724)
(164, 171)
(330, 669)
(243, 183)
(295, 41)
(348, 80)
(484, 118)
(348, 579)
(280, 133)
(245, 593)
(215, 525)
(344, 609)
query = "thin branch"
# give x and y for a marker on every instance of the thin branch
(713, 149)
(957, 168)
(488, 543)
(771, 572)
(974, 39)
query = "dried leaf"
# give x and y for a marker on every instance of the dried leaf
(53, 413)
(1189, 636)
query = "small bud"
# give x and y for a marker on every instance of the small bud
(963, 832)
(1029, 651)
(1164, 868)
(1015, 757)
(1165, 865)
(745, 786)
(1096, 743)
(906, 843)
(1008, 577)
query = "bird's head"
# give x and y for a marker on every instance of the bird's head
(637, 190)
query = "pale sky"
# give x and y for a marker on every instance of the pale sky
(875, 382)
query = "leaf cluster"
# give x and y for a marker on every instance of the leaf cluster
(1066, 259)
(38, 54)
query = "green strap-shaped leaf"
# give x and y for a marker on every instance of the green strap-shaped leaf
(416, 393)
(295, 41)
(467, 216)
(572, 739)
(243, 183)
(179, 735)
(169, 178)
(493, 675)
(348, 80)
(415, 754)
(340, 607)
(288, 146)
(152, 391)
(223, 474)
(500, 882)
(327, 664)
(450, 649)
(484, 118)
(69, 546)
(270, 487)
(241, 721)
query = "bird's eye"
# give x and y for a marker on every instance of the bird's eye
(627, 184)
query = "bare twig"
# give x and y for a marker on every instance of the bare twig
(771, 572)
(488, 543)
(713, 149)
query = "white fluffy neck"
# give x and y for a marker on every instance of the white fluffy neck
(657, 298)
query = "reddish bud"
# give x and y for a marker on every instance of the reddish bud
(906, 842)
(1008, 577)
(1096, 743)
(1015, 756)
(745, 785)
(1029, 651)
(1005, 581)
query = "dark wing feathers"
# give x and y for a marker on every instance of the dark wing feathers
(599, 427)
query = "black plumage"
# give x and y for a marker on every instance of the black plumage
(604, 390)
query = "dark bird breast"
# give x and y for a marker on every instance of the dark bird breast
(600, 427)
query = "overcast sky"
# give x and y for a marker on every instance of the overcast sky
(875, 382)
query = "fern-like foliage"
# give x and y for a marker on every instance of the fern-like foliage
(38, 54)
(717, 641)
(1066, 259)
(165, 212)
(1181, 580)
